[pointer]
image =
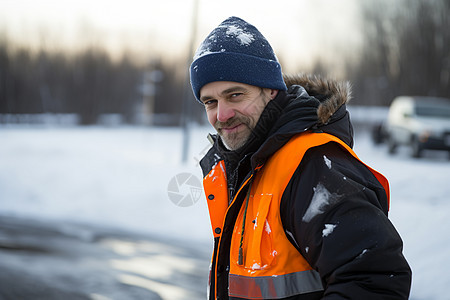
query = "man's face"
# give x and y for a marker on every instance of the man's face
(233, 109)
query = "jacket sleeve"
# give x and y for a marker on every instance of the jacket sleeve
(335, 212)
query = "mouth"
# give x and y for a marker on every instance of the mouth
(231, 129)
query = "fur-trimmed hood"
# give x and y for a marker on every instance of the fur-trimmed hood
(311, 103)
(332, 94)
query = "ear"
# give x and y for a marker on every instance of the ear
(273, 94)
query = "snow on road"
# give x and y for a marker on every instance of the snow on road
(120, 177)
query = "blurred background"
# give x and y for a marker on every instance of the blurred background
(97, 119)
(126, 62)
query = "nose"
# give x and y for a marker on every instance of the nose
(224, 112)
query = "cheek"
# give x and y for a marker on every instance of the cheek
(212, 117)
(252, 113)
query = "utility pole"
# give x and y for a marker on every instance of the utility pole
(187, 95)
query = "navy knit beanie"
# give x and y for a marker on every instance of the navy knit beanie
(236, 51)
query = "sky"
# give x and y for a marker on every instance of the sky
(297, 29)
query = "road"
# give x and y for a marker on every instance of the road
(54, 260)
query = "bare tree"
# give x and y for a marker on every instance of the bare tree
(406, 50)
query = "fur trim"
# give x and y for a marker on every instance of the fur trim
(331, 93)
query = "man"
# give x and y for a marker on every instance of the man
(295, 214)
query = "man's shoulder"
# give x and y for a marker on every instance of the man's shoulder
(328, 152)
(330, 163)
(336, 168)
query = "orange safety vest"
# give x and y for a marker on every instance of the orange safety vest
(271, 267)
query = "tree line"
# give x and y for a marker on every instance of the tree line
(88, 84)
(406, 51)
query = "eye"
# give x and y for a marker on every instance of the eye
(210, 103)
(235, 96)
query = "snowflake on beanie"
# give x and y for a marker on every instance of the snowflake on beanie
(243, 37)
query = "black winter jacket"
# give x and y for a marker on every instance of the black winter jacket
(363, 258)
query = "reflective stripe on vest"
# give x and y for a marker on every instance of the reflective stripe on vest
(276, 286)
(272, 266)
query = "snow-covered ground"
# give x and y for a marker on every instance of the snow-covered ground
(121, 177)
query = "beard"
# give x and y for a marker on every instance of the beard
(236, 131)
(236, 138)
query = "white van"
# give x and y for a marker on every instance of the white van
(419, 122)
